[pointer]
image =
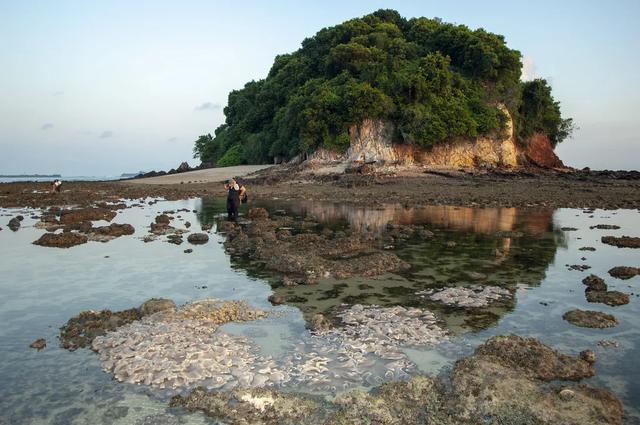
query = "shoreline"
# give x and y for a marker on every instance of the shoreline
(409, 187)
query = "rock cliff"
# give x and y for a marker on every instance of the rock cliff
(372, 141)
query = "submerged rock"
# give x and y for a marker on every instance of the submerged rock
(590, 319)
(251, 406)
(623, 272)
(622, 242)
(307, 257)
(61, 240)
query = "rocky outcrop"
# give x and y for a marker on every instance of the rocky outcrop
(590, 319)
(371, 141)
(86, 214)
(622, 242)
(538, 151)
(61, 240)
(624, 272)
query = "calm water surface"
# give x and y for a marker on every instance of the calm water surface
(525, 250)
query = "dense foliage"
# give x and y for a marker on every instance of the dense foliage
(432, 79)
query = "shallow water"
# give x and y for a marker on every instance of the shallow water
(43, 287)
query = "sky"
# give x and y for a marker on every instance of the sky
(107, 87)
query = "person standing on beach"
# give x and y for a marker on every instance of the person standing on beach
(233, 198)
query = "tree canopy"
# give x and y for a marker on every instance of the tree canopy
(433, 80)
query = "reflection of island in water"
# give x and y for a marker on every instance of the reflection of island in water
(503, 247)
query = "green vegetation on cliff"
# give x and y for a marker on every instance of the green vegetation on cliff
(432, 79)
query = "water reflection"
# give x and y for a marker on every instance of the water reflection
(504, 247)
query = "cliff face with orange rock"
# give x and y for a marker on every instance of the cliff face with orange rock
(371, 141)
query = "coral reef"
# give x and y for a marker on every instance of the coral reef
(471, 296)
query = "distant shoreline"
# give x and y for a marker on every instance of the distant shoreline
(21, 176)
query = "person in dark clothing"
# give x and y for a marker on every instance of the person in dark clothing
(233, 199)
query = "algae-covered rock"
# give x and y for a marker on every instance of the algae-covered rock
(257, 406)
(594, 282)
(198, 238)
(533, 358)
(612, 298)
(622, 241)
(155, 305)
(86, 214)
(81, 330)
(61, 240)
(623, 272)
(590, 319)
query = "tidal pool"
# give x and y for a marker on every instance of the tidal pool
(524, 251)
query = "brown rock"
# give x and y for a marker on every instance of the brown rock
(155, 305)
(257, 214)
(198, 238)
(276, 299)
(588, 356)
(623, 272)
(39, 344)
(534, 358)
(590, 319)
(61, 240)
(595, 283)
(163, 219)
(622, 242)
(86, 214)
(612, 298)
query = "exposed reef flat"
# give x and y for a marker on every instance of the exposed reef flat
(503, 381)
(518, 188)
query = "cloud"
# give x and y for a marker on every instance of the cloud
(46, 126)
(106, 134)
(208, 106)
(528, 69)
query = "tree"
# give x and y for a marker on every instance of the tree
(433, 80)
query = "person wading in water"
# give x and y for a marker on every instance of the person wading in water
(233, 198)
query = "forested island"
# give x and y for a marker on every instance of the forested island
(429, 81)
